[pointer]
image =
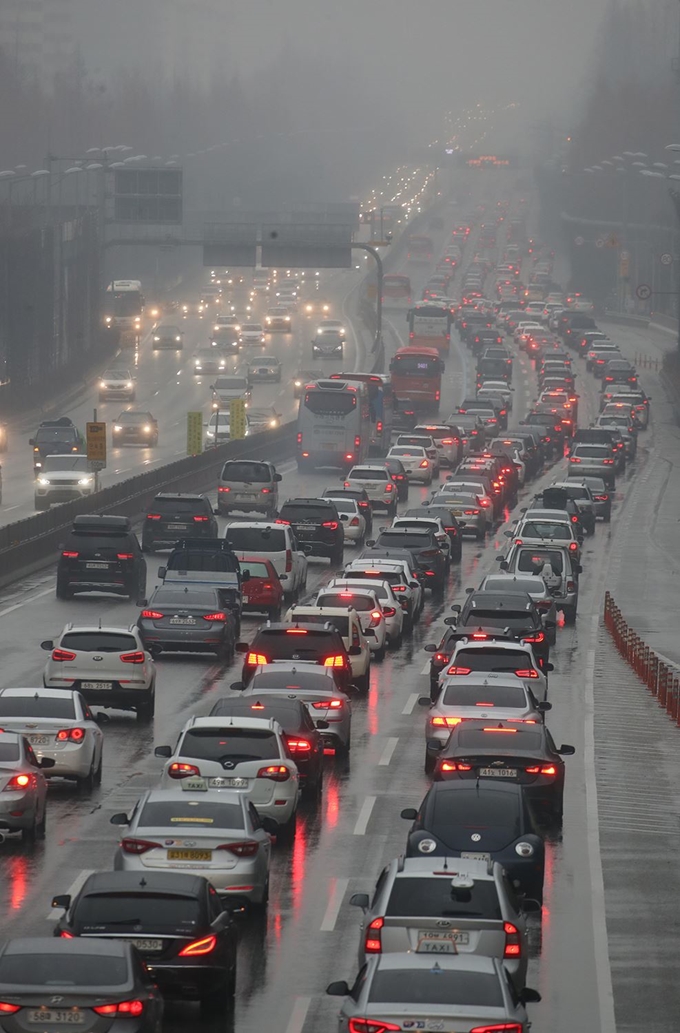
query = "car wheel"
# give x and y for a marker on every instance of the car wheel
(395, 643)
(569, 614)
(607, 517)
(338, 556)
(430, 761)
(63, 591)
(314, 787)
(41, 827)
(379, 654)
(261, 905)
(86, 784)
(274, 614)
(286, 833)
(30, 834)
(481, 534)
(40, 504)
(363, 683)
(392, 510)
(145, 711)
(219, 1001)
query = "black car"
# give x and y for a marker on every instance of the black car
(516, 613)
(175, 922)
(422, 544)
(55, 438)
(550, 429)
(449, 522)
(304, 740)
(172, 517)
(104, 982)
(397, 472)
(361, 497)
(317, 526)
(135, 428)
(511, 752)
(188, 620)
(488, 822)
(306, 642)
(101, 554)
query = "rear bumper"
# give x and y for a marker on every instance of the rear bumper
(186, 982)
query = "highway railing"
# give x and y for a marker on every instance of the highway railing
(661, 677)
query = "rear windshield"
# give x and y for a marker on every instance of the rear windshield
(245, 471)
(9, 751)
(330, 403)
(484, 695)
(37, 706)
(298, 644)
(534, 560)
(361, 603)
(227, 743)
(341, 624)
(490, 659)
(47, 434)
(290, 681)
(404, 539)
(257, 539)
(220, 815)
(545, 529)
(256, 569)
(204, 560)
(515, 586)
(178, 505)
(152, 912)
(478, 739)
(98, 641)
(433, 898)
(433, 987)
(313, 514)
(360, 473)
(57, 971)
(413, 450)
(392, 578)
(345, 505)
(592, 451)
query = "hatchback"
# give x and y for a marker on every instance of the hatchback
(317, 526)
(301, 642)
(23, 789)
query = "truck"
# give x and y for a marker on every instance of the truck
(207, 562)
(124, 308)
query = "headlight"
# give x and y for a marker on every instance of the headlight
(83, 481)
(216, 405)
(108, 319)
(147, 429)
(427, 846)
(273, 423)
(117, 427)
(524, 849)
(129, 383)
(211, 434)
(102, 384)
(197, 365)
(38, 465)
(298, 383)
(155, 312)
(156, 338)
(309, 308)
(44, 481)
(178, 338)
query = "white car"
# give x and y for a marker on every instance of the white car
(399, 575)
(23, 789)
(431, 523)
(427, 442)
(347, 622)
(252, 334)
(277, 543)
(352, 519)
(389, 604)
(377, 483)
(117, 383)
(244, 753)
(217, 836)
(496, 387)
(447, 444)
(415, 461)
(315, 687)
(58, 724)
(218, 429)
(64, 478)
(367, 607)
(525, 329)
(109, 666)
(506, 657)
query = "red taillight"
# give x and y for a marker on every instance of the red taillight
(275, 772)
(127, 1008)
(445, 722)
(223, 488)
(526, 672)
(389, 487)
(545, 769)
(335, 661)
(331, 704)
(125, 555)
(471, 512)
(450, 765)
(256, 659)
(332, 525)
(388, 611)
(18, 783)
(574, 520)
(608, 462)
(513, 942)
(376, 617)
(354, 522)
(137, 846)
(201, 519)
(198, 947)
(299, 437)
(371, 1026)
(71, 555)
(357, 442)
(574, 459)
(219, 615)
(152, 615)
(153, 516)
(133, 658)
(9, 1009)
(180, 770)
(74, 734)
(373, 941)
(297, 746)
(248, 848)
(66, 936)
(424, 465)
(459, 670)
(504, 1027)
(538, 637)
(62, 655)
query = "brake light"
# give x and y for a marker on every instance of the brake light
(601, 498)
(71, 555)
(256, 659)
(371, 1026)
(450, 765)
(513, 943)
(479, 636)
(608, 462)
(219, 615)
(459, 670)
(223, 487)
(299, 437)
(125, 555)
(538, 637)
(526, 672)
(9, 1009)
(198, 947)
(388, 611)
(157, 516)
(152, 615)
(62, 655)
(18, 783)
(574, 459)
(373, 942)
(573, 546)
(137, 657)
(127, 1008)
(445, 722)
(65, 936)
(335, 661)
(180, 770)
(201, 519)
(275, 773)
(331, 704)
(74, 734)
(296, 631)
(137, 846)
(389, 487)
(332, 525)
(544, 769)
(574, 520)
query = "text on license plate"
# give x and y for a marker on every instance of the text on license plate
(448, 940)
(95, 685)
(65, 1016)
(498, 772)
(96, 566)
(189, 855)
(182, 620)
(475, 855)
(146, 945)
(177, 527)
(39, 740)
(227, 783)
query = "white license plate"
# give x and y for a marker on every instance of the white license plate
(95, 685)
(181, 620)
(246, 599)
(39, 740)
(453, 937)
(96, 566)
(498, 772)
(63, 1016)
(227, 783)
(146, 945)
(474, 855)
(177, 527)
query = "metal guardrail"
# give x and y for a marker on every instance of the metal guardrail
(661, 678)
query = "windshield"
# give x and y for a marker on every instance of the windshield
(204, 560)
(360, 473)
(419, 365)
(177, 504)
(361, 603)
(341, 624)
(56, 434)
(99, 641)
(157, 814)
(255, 473)
(534, 560)
(592, 451)
(404, 540)
(231, 384)
(330, 403)
(306, 513)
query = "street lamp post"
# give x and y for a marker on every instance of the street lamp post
(378, 316)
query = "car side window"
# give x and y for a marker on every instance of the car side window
(379, 886)
(355, 992)
(355, 635)
(254, 817)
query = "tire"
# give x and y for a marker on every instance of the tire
(480, 535)
(430, 762)
(40, 504)
(262, 904)
(392, 510)
(98, 772)
(63, 591)
(86, 784)
(314, 788)
(363, 683)
(219, 1001)
(30, 835)
(41, 827)
(146, 710)
(274, 614)
(397, 641)
(379, 655)
(286, 833)
(570, 615)
(338, 556)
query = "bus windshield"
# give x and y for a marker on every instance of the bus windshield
(322, 403)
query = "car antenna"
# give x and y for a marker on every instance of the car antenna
(142, 882)
(445, 866)
(100, 624)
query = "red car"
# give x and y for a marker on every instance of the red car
(263, 592)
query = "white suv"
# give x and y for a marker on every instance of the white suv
(366, 606)
(399, 576)
(64, 478)
(277, 543)
(377, 483)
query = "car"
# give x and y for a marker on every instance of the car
(23, 789)
(101, 553)
(609, 436)
(59, 726)
(175, 922)
(173, 516)
(63, 479)
(301, 378)
(229, 388)
(489, 696)
(278, 543)
(521, 753)
(376, 481)
(331, 326)
(555, 565)
(209, 360)
(381, 616)
(55, 437)
(448, 444)
(251, 334)
(471, 511)
(262, 592)
(328, 343)
(224, 340)
(117, 383)
(517, 614)
(591, 460)
(429, 521)
(305, 643)
(108, 986)
(399, 575)
(526, 584)
(265, 370)
(302, 738)
(453, 992)
(425, 441)
(278, 318)
(415, 460)
(248, 485)
(423, 543)
(399, 475)
(545, 526)
(353, 520)
(359, 494)
(109, 666)
(315, 687)
(208, 563)
(135, 428)
(187, 619)
(579, 493)
(602, 499)
(247, 751)
(497, 651)
(228, 842)
(504, 824)
(447, 519)
(625, 426)
(317, 526)
(345, 619)
(420, 906)
(218, 429)
(167, 335)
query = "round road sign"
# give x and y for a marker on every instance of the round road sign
(600, 242)
(579, 241)
(666, 259)
(643, 291)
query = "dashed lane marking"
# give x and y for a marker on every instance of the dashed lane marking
(364, 816)
(390, 747)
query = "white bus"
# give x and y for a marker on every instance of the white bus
(334, 425)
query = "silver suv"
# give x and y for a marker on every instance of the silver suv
(247, 486)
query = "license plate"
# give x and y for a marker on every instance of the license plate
(177, 527)
(227, 783)
(64, 1016)
(430, 942)
(95, 685)
(246, 599)
(194, 785)
(182, 620)
(39, 740)
(473, 855)
(146, 945)
(96, 566)
(498, 772)
(189, 855)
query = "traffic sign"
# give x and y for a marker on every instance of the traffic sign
(624, 256)
(237, 419)
(194, 433)
(579, 241)
(643, 291)
(96, 443)
(600, 242)
(666, 259)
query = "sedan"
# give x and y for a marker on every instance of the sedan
(219, 837)
(527, 584)
(23, 789)
(102, 986)
(251, 334)
(352, 520)
(186, 620)
(265, 370)
(278, 319)
(415, 460)
(135, 428)
(59, 726)
(209, 360)
(472, 517)
(117, 383)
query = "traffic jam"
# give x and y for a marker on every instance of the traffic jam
(419, 560)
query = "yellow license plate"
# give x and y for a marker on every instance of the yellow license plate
(189, 855)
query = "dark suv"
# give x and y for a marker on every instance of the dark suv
(172, 517)
(309, 643)
(101, 554)
(55, 437)
(317, 526)
(424, 546)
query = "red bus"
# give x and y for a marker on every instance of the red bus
(396, 289)
(416, 375)
(429, 326)
(420, 249)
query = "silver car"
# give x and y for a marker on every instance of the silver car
(59, 725)
(473, 517)
(449, 992)
(424, 907)
(218, 836)
(589, 460)
(117, 383)
(23, 789)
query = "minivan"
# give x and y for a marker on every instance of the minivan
(248, 485)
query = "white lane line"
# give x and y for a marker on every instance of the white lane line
(298, 1015)
(412, 700)
(8, 508)
(426, 668)
(390, 747)
(18, 606)
(337, 893)
(364, 816)
(54, 914)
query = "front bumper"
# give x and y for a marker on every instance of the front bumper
(55, 494)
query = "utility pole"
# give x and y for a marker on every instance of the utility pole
(675, 198)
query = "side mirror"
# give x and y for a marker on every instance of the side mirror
(245, 576)
(62, 900)
(102, 718)
(322, 725)
(530, 906)
(307, 549)
(504, 564)
(547, 623)
(354, 651)
(566, 751)
(119, 819)
(46, 762)
(424, 701)
(278, 478)
(237, 686)
(508, 534)
(370, 543)
(544, 707)
(430, 647)
(241, 647)
(549, 667)
(338, 989)
(456, 608)
(359, 900)
(435, 746)
(162, 571)
(409, 813)
(578, 568)
(47, 644)
(270, 826)
(163, 751)
(529, 996)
